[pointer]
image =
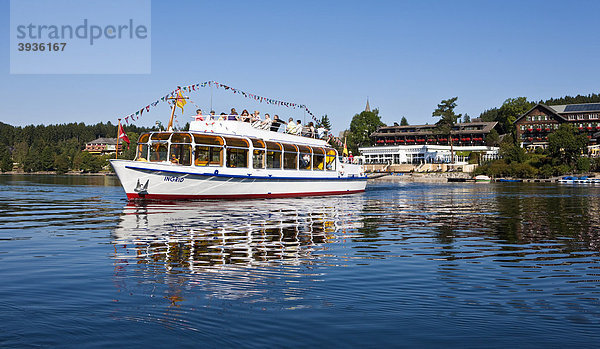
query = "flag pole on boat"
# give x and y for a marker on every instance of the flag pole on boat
(179, 102)
(118, 134)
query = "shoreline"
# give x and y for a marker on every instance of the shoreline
(468, 178)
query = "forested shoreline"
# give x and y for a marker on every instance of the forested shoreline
(58, 148)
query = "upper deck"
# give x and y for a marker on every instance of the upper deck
(245, 129)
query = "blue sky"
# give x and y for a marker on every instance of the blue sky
(330, 55)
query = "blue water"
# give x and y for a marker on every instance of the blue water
(403, 265)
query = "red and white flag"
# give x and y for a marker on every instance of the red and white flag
(123, 135)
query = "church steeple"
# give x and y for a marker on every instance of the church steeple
(368, 108)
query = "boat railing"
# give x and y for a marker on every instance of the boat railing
(267, 125)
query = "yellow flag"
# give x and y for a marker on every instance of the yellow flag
(345, 152)
(180, 101)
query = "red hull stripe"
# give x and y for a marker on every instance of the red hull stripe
(135, 196)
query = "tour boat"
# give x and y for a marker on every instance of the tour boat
(231, 159)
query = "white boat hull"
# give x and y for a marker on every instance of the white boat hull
(164, 181)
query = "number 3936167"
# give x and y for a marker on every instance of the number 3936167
(41, 46)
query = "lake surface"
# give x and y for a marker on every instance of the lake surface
(403, 265)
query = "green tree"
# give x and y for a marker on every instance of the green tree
(466, 118)
(492, 139)
(448, 118)
(510, 110)
(361, 128)
(403, 121)
(566, 145)
(512, 153)
(87, 162)
(61, 163)
(128, 152)
(32, 162)
(324, 122)
(20, 151)
(5, 159)
(47, 159)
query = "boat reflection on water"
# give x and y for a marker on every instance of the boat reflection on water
(233, 240)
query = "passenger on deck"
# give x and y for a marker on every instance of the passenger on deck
(174, 159)
(276, 123)
(266, 124)
(298, 128)
(232, 115)
(321, 132)
(212, 115)
(309, 130)
(199, 116)
(256, 121)
(291, 126)
(222, 117)
(245, 117)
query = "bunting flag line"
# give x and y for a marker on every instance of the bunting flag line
(194, 87)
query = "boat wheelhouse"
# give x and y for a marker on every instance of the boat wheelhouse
(230, 159)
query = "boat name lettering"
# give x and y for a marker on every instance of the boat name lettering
(173, 179)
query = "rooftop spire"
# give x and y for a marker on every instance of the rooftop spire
(368, 108)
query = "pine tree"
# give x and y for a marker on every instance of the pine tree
(324, 122)
(445, 111)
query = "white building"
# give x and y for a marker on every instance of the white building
(419, 154)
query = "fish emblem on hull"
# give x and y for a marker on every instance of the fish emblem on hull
(141, 189)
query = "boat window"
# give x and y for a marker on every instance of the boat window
(144, 138)
(163, 136)
(290, 156)
(142, 152)
(181, 138)
(208, 140)
(236, 142)
(258, 158)
(318, 159)
(257, 143)
(181, 154)
(305, 160)
(237, 157)
(208, 156)
(330, 155)
(258, 154)
(158, 152)
(273, 155)
(273, 146)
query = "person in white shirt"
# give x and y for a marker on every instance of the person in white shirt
(298, 128)
(266, 124)
(291, 126)
(321, 132)
(256, 119)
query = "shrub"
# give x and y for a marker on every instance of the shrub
(583, 164)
